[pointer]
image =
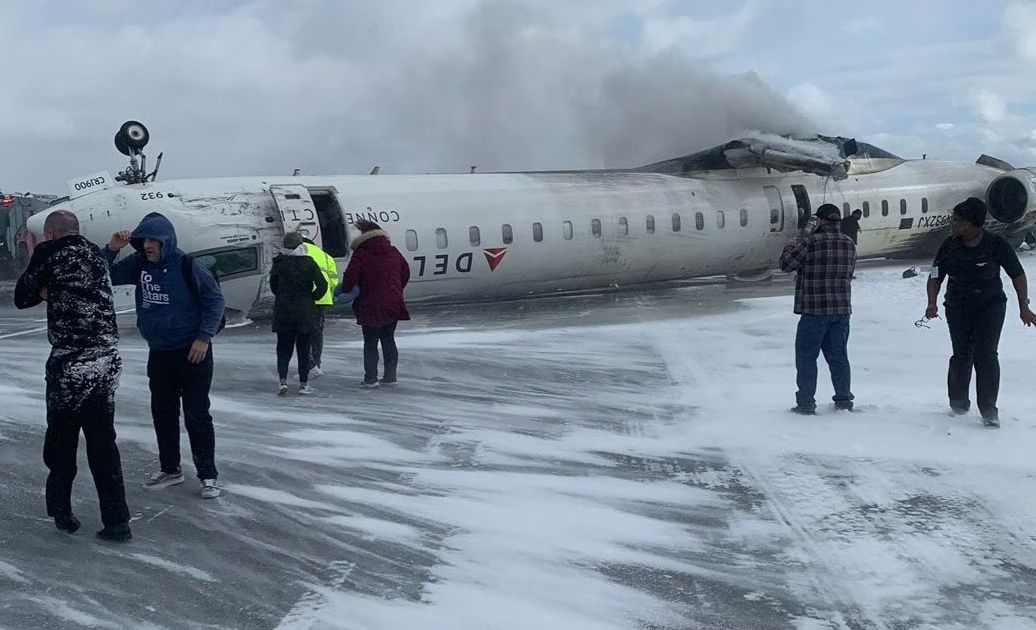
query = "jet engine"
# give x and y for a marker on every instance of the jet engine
(1012, 195)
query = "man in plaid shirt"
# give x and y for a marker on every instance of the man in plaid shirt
(825, 261)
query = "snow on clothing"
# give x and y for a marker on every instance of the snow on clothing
(383, 273)
(296, 282)
(80, 315)
(82, 371)
(170, 314)
(825, 262)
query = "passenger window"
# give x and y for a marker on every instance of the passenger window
(744, 217)
(866, 208)
(924, 205)
(624, 226)
(474, 236)
(721, 219)
(650, 224)
(595, 228)
(884, 208)
(507, 233)
(902, 206)
(699, 221)
(440, 238)
(676, 223)
(231, 262)
(411, 240)
(566, 230)
(537, 232)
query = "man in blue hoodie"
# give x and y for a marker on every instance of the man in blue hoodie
(179, 308)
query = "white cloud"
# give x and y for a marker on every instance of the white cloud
(944, 126)
(988, 105)
(1019, 20)
(699, 37)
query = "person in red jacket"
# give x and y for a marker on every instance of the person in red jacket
(381, 272)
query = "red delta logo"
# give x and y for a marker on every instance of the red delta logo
(494, 256)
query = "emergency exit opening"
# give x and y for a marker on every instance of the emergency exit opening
(802, 200)
(332, 224)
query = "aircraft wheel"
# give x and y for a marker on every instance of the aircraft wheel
(132, 136)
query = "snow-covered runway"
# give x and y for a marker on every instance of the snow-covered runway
(620, 461)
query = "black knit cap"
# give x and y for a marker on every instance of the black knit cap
(972, 210)
(829, 212)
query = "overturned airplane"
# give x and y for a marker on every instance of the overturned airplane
(469, 237)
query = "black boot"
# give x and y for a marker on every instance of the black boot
(116, 533)
(67, 523)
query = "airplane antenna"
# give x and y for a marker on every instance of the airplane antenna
(158, 163)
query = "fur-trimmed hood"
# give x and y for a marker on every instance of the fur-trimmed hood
(366, 236)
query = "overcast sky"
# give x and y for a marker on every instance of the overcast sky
(336, 87)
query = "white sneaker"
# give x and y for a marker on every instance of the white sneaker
(315, 371)
(282, 389)
(368, 384)
(210, 489)
(161, 480)
(305, 389)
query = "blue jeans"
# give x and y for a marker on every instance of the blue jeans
(830, 334)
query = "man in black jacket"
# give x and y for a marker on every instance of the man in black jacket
(851, 226)
(82, 372)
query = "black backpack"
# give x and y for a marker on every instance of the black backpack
(187, 269)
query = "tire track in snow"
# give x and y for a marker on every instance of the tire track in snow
(713, 394)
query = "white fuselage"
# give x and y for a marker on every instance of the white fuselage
(498, 236)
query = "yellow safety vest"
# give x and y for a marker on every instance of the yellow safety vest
(328, 268)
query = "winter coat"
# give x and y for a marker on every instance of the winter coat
(382, 273)
(171, 315)
(80, 310)
(851, 228)
(297, 283)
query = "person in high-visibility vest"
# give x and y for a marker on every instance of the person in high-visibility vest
(326, 301)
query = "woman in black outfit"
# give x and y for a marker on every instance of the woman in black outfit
(296, 283)
(975, 305)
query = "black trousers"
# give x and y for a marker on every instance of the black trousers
(81, 397)
(316, 339)
(975, 335)
(386, 335)
(298, 342)
(173, 379)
